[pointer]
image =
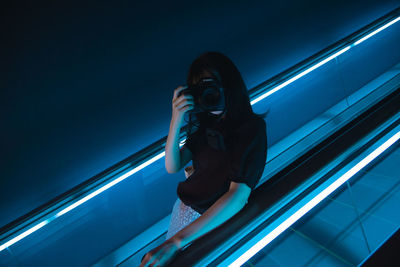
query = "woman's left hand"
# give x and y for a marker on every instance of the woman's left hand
(163, 254)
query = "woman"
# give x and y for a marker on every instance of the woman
(224, 170)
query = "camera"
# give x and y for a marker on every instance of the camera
(208, 95)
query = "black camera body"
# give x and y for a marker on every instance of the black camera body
(208, 96)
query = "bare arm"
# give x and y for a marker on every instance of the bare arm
(180, 105)
(223, 209)
(172, 153)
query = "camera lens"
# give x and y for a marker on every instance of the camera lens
(211, 96)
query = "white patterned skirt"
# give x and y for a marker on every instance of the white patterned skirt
(181, 216)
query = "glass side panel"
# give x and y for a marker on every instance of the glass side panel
(345, 227)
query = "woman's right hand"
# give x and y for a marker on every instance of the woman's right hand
(181, 104)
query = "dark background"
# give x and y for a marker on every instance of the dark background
(83, 87)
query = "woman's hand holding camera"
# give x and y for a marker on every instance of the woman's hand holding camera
(181, 104)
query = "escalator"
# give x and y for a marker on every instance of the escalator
(300, 166)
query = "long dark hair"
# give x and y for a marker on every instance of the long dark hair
(236, 95)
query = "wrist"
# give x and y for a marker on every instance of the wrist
(176, 123)
(176, 117)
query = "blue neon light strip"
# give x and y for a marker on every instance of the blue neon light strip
(107, 186)
(313, 202)
(298, 76)
(126, 175)
(376, 31)
(24, 234)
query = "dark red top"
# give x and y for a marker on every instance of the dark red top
(243, 161)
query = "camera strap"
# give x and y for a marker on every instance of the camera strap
(215, 139)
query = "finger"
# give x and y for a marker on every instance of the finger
(162, 261)
(145, 260)
(168, 253)
(161, 256)
(183, 103)
(183, 97)
(159, 261)
(177, 90)
(156, 257)
(155, 262)
(186, 108)
(148, 260)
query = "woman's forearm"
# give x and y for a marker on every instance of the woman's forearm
(172, 153)
(222, 210)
